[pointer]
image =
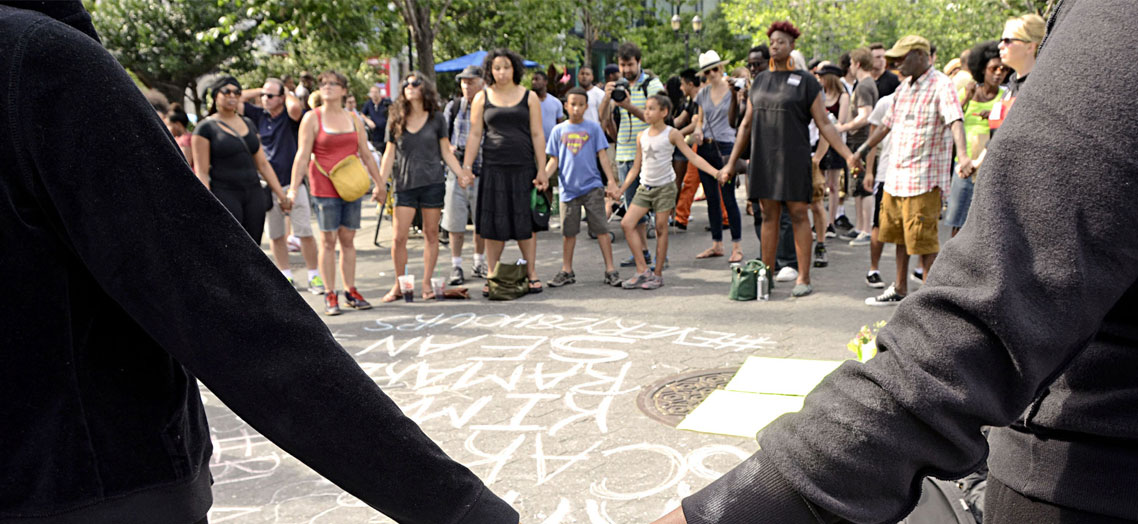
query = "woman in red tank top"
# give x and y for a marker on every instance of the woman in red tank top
(328, 134)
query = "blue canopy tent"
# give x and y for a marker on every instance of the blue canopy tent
(475, 58)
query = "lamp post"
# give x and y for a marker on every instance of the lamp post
(696, 26)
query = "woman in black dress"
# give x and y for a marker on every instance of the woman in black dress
(513, 159)
(782, 102)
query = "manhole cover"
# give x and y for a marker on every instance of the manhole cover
(671, 399)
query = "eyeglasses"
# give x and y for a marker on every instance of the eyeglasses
(229, 91)
(330, 83)
(270, 96)
(1008, 41)
(414, 83)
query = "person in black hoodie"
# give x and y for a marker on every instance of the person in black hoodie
(101, 417)
(1027, 325)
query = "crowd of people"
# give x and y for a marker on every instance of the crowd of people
(801, 137)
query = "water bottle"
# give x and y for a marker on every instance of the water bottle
(764, 285)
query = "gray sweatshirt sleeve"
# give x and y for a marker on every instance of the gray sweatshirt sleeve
(1047, 252)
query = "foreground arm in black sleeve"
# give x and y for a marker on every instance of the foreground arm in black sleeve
(1014, 298)
(133, 214)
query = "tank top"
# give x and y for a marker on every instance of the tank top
(656, 158)
(329, 149)
(508, 141)
(835, 108)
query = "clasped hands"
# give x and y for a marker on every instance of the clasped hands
(466, 178)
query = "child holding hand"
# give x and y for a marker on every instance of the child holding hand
(657, 191)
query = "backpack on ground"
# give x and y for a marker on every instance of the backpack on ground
(745, 280)
(508, 281)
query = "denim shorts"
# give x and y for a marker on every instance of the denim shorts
(430, 196)
(332, 213)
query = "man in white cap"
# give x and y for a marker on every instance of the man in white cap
(460, 203)
(929, 121)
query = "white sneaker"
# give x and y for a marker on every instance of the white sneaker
(786, 274)
(862, 239)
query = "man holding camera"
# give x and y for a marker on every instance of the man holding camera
(622, 115)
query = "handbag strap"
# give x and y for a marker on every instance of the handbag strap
(235, 134)
(320, 122)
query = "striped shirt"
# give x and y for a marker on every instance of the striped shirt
(630, 126)
(920, 152)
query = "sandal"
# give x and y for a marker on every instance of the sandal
(535, 286)
(486, 290)
(391, 296)
(710, 253)
(429, 295)
(734, 260)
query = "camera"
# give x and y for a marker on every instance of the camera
(620, 90)
(740, 83)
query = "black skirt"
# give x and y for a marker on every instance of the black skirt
(504, 202)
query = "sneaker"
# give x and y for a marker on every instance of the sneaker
(820, 255)
(682, 226)
(456, 278)
(830, 231)
(654, 282)
(802, 290)
(293, 244)
(612, 278)
(331, 305)
(862, 239)
(631, 260)
(843, 222)
(919, 275)
(889, 298)
(874, 280)
(786, 274)
(651, 232)
(480, 270)
(637, 280)
(850, 235)
(355, 300)
(562, 278)
(291, 282)
(666, 265)
(316, 285)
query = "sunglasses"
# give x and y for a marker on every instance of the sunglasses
(711, 71)
(414, 83)
(997, 69)
(229, 91)
(1008, 41)
(270, 96)
(754, 65)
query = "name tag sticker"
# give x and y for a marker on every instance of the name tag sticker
(997, 111)
(794, 80)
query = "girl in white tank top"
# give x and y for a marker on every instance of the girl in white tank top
(653, 168)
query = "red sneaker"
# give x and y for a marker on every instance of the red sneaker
(354, 299)
(331, 304)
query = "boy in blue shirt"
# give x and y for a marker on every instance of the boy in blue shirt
(576, 148)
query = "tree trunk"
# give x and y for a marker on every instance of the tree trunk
(425, 45)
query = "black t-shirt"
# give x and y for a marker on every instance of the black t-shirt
(887, 83)
(865, 94)
(419, 160)
(230, 162)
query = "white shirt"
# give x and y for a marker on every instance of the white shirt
(656, 158)
(595, 95)
(884, 105)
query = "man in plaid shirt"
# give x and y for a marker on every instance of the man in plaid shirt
(928, 121)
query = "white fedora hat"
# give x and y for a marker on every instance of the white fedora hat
(709, 60)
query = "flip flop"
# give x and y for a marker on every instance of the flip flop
(390, 297)
(538, 289)
(709, 253)
(486, 290)
(428, 295)
(734, 260)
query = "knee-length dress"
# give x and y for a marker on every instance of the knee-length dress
(780, 166)
(508, 170)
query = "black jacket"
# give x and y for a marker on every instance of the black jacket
(1029, 323)
(125, 280)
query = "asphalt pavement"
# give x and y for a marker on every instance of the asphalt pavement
(540, 396)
